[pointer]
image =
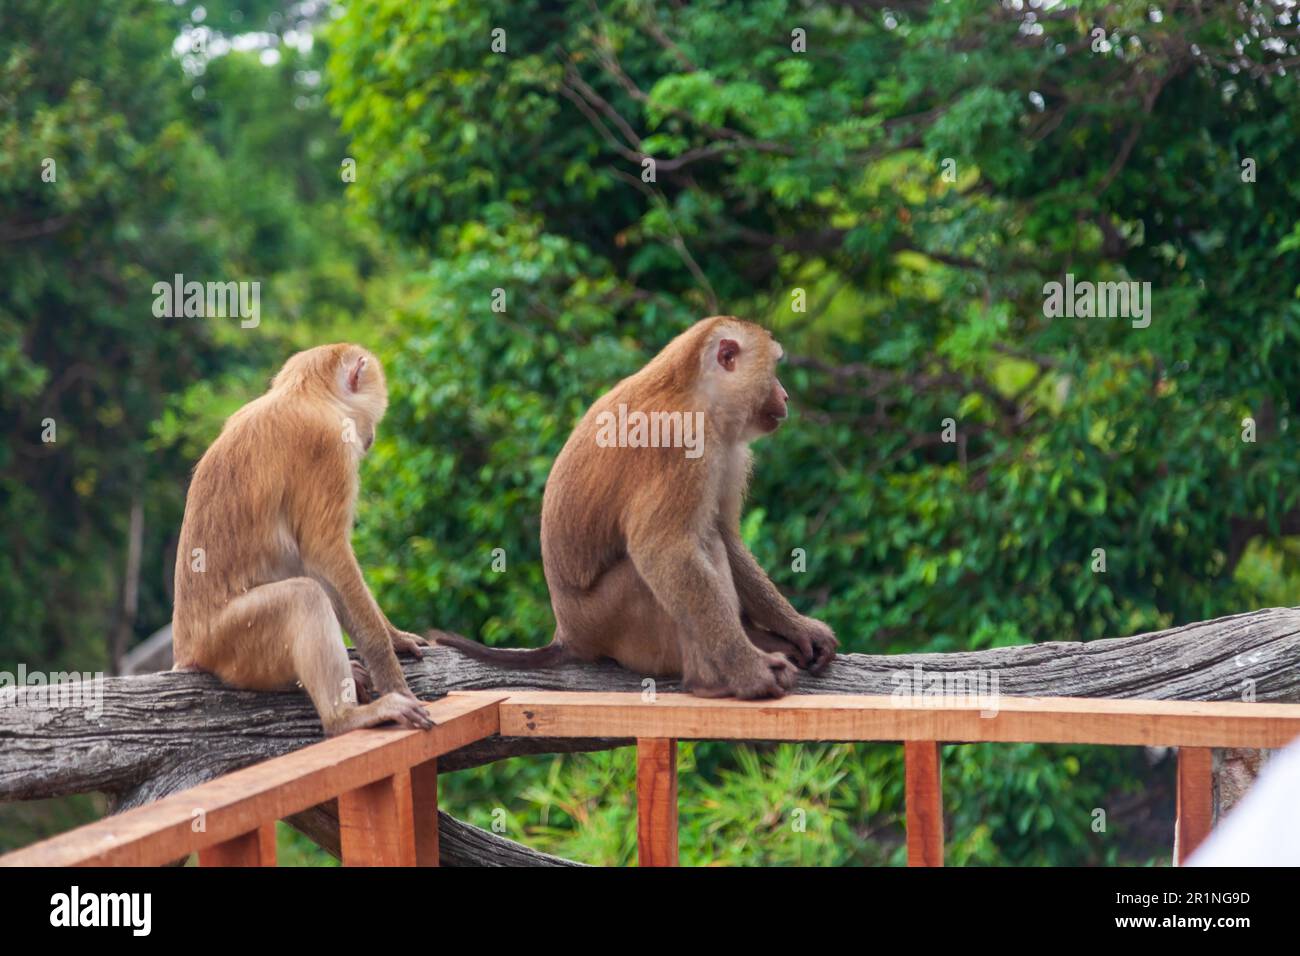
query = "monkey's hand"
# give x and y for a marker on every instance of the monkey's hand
(405, 642)
(748, 675)
(816, 643)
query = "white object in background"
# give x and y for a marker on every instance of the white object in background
(1263, 829)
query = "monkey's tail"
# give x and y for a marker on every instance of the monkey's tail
(521, 659)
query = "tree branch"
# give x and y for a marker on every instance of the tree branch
(144, 737)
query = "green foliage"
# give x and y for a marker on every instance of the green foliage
(294, 849)
(788, 806)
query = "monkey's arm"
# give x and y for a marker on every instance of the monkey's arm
(336, 601)
(768, 608)
(327, 555)
(759, 597)
(404, 642)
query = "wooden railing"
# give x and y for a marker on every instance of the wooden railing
(386, 781)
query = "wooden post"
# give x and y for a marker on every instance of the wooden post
(255, 848)
(924, 795)
(424, 803)
(656, 801)
(1195, 800)
(377, 824)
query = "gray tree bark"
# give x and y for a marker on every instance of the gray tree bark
(144, 737)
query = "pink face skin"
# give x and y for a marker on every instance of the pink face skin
(777, 406)
(775, 409)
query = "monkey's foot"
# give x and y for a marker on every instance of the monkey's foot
(361, 678)
(406, 711)
(763, 675)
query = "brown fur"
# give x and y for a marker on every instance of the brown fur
(271, 506)
(641, 546)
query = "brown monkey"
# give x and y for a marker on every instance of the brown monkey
(265, 572)
(641, 545)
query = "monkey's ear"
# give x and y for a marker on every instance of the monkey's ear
(728, 349)
(354, 374)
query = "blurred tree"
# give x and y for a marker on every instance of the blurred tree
(122, 165)
(102, 193)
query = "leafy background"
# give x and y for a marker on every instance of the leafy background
(1114, 156)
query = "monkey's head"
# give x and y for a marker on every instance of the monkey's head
(346, 374)
(739, 362)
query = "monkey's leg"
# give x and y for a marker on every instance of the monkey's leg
(286, 631)
(619, 618)
(338, 568)
(718, 659)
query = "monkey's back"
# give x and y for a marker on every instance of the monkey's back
(238, 530)
(591, 489)
(581, 531)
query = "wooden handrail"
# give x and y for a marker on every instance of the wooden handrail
(386, 780)
(230, 807)
(847, 717)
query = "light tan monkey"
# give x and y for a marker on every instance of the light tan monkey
(265, 572)
(641, 545)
